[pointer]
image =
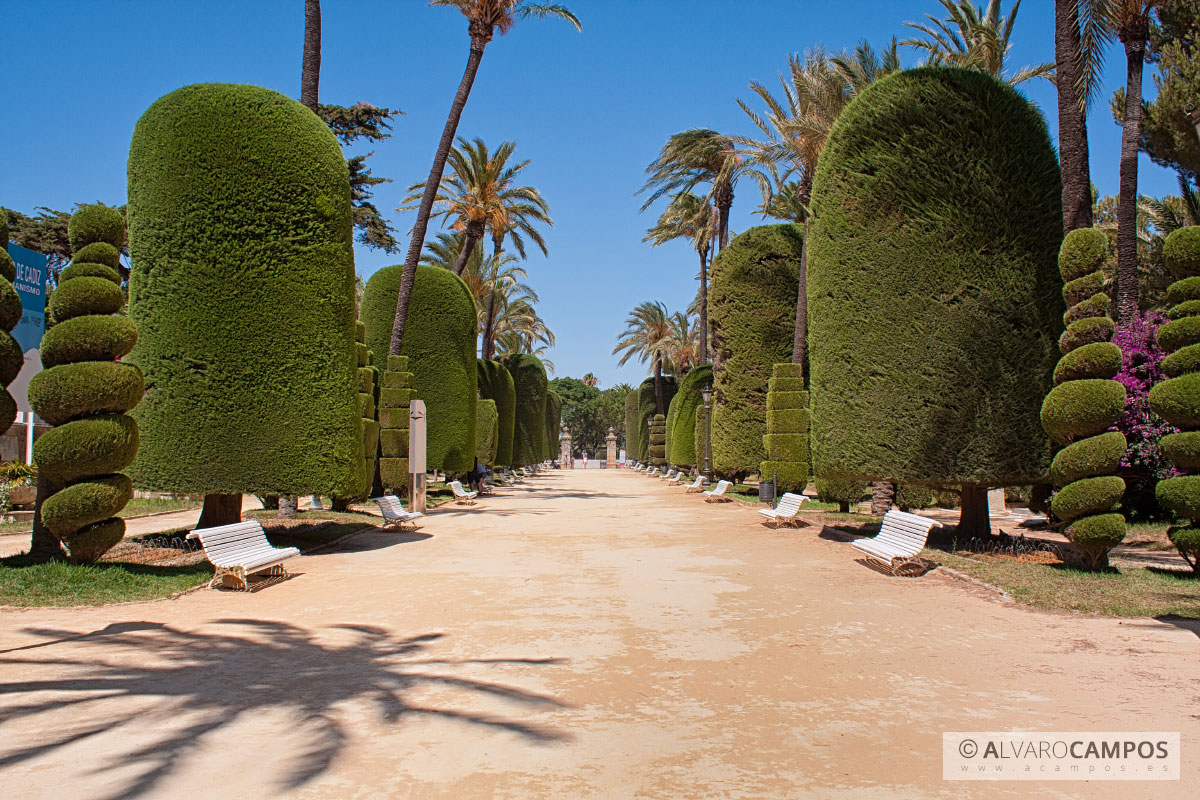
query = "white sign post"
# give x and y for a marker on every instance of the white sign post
(416, 456)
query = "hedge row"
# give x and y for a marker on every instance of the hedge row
(648, 407)
(87, 401)
(687, 404)
(487, 420)
(395, 396)
(1177, 400)
(632, 434)
(242, 291)
(658, 440)
(529, 430)
(496, 384)
(367, 385)
(787, 449)
(554, 405)
(1081, 408)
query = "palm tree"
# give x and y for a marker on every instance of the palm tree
(590, 381)
(310, 64)
(480, 194)
(647, 337)
(682, 345)
(1129, 22)
(690, 217)
(484, 19)
(974, 38)
(512, 343)
(1076, 82)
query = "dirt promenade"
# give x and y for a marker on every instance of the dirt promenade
(586, 635)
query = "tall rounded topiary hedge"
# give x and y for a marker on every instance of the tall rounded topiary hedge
(554, 405)
(85, 392)
(632, 434)
(681, 421)
(934, 300)
(752, 311)
(242, 290)
(786, 440)
(496, 384)
(1177, 399)
(1084, 404)
(486, 432)
(440, 345)
(529, 432)
(648, 407)
(368, 378)
(658, 440)
(11, 356)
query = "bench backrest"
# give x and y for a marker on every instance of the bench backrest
(700, 481)
(721, 487)
(391, 506)
(905, 532)
(790, 503)
(457, 488)
(226, 545)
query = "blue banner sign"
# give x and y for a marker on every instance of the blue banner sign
(30, 284)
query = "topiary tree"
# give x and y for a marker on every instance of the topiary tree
(395, 396)
(486, 432)
(632, 434)
(496, 384)
(440, 344)
(553, 424)
(786, 440)
(658, 440)
(681, 421)
(1177, 400)
(529, 430)
(1084, 404)
(752, 312)
(11, 356)
(242, 290)
(85, 392)
(368, 379)
(843, 492)
(647, 408)
(933, 292)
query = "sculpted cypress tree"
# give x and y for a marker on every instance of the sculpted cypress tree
(486, 432)
(395, 396)
(529, 435)
(647, 408)
(496, 384)
(11, 356)
(553, 424)
(1177, 400)
(85, 392)
(681, 422)
(1085, 403)
(786, 441)
(243, 293)
(934, 300)
(368, 378)
(632, 434)
(658, 440)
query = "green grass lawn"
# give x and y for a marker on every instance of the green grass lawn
(58, 583)
(146, 505)
(1129, 592)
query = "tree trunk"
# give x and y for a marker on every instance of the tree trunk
(800, 339)
(703, 305)
(220, 509)
(310, 69)
(289, 506)
(1072, 120)
(340, 503)
(724, 201)
(659, 405)
(431, 188)
(1127, 234)
(471, 237)
(44, 544)
(973, 518)
(882, 494)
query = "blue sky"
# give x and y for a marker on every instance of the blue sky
(590, 110)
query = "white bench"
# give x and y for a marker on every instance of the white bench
(241, 549)
(717, 493)
(394, 512)
(787, 512)
(670, 476)
(677, 480)
(698, 485)
(654, 473)
(461, 495)
(901, 537)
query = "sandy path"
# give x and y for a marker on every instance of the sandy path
(588, 635)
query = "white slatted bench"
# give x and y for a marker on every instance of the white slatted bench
(670, 476)
(241, 549)
(654, 473)
(697, 486)
(394, 512)
(787, 512)
(678, 479)
(717, 493)
(461, 495)
(900, 539)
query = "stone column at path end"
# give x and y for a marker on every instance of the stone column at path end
(564, 452)
(610, 460)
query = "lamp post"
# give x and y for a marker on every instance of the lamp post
(706, 393)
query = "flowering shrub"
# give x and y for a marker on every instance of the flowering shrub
(1144, 463)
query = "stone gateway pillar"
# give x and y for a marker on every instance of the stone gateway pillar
(564, 452)
(610, 460)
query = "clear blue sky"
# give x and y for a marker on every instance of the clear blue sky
(591, 109)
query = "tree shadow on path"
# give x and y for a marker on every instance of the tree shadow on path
(200, 683)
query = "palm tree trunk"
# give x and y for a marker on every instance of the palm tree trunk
(289, 506)
(882, 495)
(220, 509)
(489, 323)
(703, 305)
(659, 405)
(310, 69)
(44, 544)
(1072, 121)
(724, 201)
(431, 187)
(1127, 234)
(800, 338)
(471, 237)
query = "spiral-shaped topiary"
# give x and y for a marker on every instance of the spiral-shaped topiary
(1084, 403)
(1177, 399)
(85, 392)
(786, 440)
(658, 440)
(11, 356)
(395, 394)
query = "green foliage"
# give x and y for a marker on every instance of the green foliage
(790, 475)
(788, 420)
(85, 295)
(1178, 400)
(88, 338)
(1184, 290)
(11, 356)
(243, 293)
(1179, 333)
(71, 391)
(100, 253)
(553, 424)
(1183, 449)
(96, 223)
(658, 440)
(496, 384)
(82, 269)
(752, 314)
(1083, 332)
(1083, 252)
(1095, 306)
(487, 420)
(632, 431)
(843, 492)
(86, 503)
(687, 404)
(1095, 360)
(1076, 409)
(909, 496)
(1188, 308)
(1183, 360)
(788, 454)
(1087, 497)
(529, 434)
(934, 307)
(648, 407)
(85, 447)
(394, 400)
(1093, 537)
(1087, 458)
(1181, 252)
(1084, 288)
